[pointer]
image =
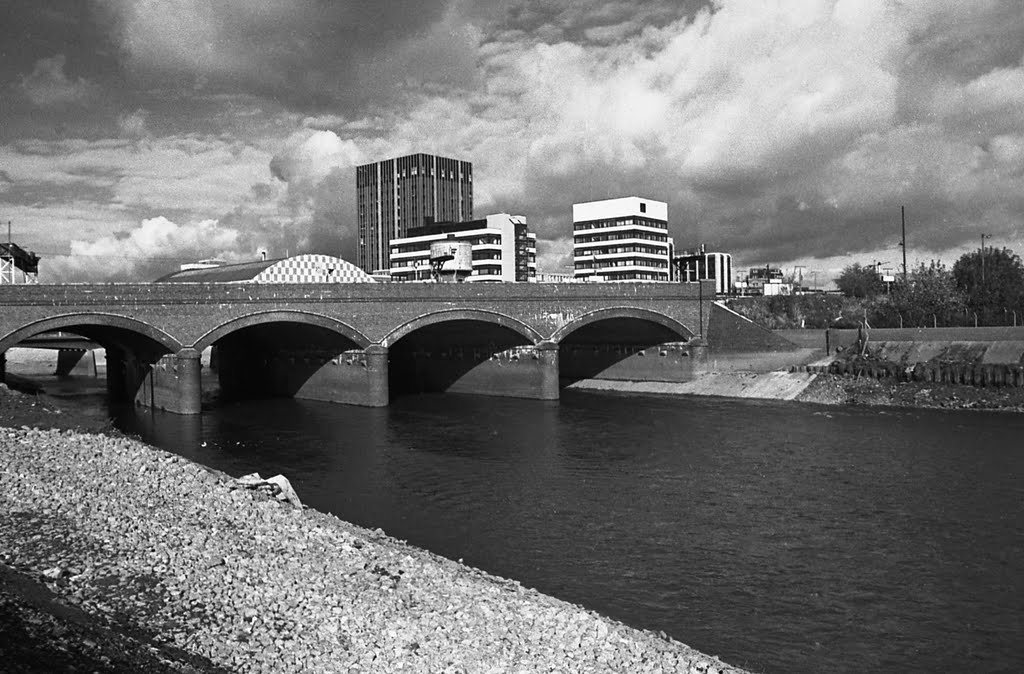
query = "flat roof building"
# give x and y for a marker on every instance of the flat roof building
(700, 265)
(503, 249)
(396, 195)
(623, 239)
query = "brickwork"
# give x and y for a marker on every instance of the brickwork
(158, 330)
(179, 315)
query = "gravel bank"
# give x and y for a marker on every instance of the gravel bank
(166, 560)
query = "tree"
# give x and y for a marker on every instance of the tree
(860, 282)
(993, 282)
(928, 297)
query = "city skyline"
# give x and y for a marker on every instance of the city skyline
(135, 136)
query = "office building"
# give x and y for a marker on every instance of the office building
(623, 239)
(503, 249)
(396, 195)
(700, 265)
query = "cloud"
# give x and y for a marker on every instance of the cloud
(775, 130)
(48, 85)
(778, 131)
(305, 51)
(133, 124)
(156, 247)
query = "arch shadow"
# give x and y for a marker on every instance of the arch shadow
(635, 313)
(460, 350)
(107, 330)
(616, 343)
(264, 317)
(476, 315)
(283, 353)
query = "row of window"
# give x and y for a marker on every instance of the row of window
(618, 236)
(611, 250)
(619, 222)
(628, 262)
(419, 247)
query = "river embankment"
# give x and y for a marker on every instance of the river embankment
(123, 558)
(825, 389)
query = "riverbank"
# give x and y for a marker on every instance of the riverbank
(825, 389)
(147, 554)
(829, 389)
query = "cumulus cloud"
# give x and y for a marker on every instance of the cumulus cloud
(158, 246)
(779, 131)
(48, 85)
(775, 130)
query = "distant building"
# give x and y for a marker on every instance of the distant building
(767, 281)
(396, 195)
(17, 265)
(700, 265)
(298, 269)
(623, 239)
(501, 245)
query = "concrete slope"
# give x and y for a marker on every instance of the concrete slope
(766, 385)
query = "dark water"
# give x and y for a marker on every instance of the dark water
(781, 537)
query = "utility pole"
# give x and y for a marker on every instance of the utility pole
(903, 242)
(983, 237)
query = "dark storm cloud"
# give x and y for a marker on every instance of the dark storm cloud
(307, 54)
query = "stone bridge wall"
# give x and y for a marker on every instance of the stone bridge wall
(154, 332)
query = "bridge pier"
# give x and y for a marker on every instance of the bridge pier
(355, 377)
(522, 371)
(70, 359)
(173, 384)
(3, 367)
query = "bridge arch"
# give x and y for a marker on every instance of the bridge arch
(105, 329)
(613, 313)
(483, 316)
(265, 317)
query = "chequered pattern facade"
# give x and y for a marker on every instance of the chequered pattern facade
(313, 269)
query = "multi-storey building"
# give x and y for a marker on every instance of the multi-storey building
(622, 239)
(700, 265)
(503, 249)
(396, 195)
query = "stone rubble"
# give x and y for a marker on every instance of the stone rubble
(154, 544)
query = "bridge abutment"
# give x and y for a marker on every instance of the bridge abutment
(3, 367)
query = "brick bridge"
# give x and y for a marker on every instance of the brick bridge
(365, 343)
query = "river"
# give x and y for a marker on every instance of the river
(781, 537)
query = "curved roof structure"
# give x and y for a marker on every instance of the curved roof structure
(297, 269)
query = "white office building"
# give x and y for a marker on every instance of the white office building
(623, 239)
(503, 249)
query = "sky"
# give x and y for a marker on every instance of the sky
(139, 134)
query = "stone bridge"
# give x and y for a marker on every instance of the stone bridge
(365, 343)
